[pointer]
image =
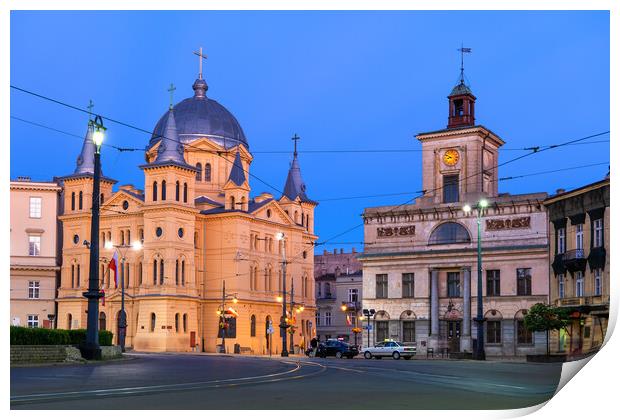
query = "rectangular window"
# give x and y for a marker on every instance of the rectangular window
(353, 295)
(524, 336)
(494, 332)
(382, 330)
(34, 245)
(598, 233)
(579, 236)
(33, 321)
(408, 285)
(450, 188)
(33, 290)
(382, 286)
(598, 282)
(35, 207)
(409, 331)
(524, 281)
(454, 284)
(493, 288)
(579, 284)
(317, 319)
(560, 286)
(328, 318)
(561, 240)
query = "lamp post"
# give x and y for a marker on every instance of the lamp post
(222, 313)
(122, 317)
(368, 313)
(280, 237)
(479, 353)
(90, 349)
(353, 313)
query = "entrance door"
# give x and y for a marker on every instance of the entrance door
(454, 336)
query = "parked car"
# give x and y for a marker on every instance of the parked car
(394, 349)
(337, 348)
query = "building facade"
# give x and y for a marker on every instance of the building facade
(579, 269)
(420, 262)
(207, 248)
(338, 279)
(34, 252)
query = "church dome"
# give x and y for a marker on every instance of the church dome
(200, 116)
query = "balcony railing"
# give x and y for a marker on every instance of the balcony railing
(574, 254)
(583, 301)
(575, 260)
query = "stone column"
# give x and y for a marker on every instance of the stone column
(466, 328)
(434, 338)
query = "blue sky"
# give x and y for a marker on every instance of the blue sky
(341, 80)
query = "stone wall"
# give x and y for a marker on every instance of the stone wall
(25, 355)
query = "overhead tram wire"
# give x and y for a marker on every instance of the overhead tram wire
(133, 149)
(115, 121)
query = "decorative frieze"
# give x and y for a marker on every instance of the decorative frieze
(502, 224)
(386, 232)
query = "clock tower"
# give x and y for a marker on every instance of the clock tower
(459, 162)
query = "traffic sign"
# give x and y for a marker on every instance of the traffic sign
(368, 327)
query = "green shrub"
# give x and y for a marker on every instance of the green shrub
(43, 336)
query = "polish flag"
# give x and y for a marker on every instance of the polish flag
(113, 265)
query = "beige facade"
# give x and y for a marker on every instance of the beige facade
(201, 236)
(579, 271)
(420, 265)
(34, 266)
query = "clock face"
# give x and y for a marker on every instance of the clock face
(451, 157)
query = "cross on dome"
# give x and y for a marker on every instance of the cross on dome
(201, 57)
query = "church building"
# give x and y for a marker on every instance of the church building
(420, 262)
(198, 255)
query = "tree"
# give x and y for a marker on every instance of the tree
(543, 317)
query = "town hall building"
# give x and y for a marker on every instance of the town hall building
(420, 261)
(206, 246)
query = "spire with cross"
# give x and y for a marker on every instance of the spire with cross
(90, 107)
(295, 139)
(171, 89)
(201, 57)
(463, 50)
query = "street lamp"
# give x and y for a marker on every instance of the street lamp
(353, 313)
(122, 316)
(479, 351)
(280, 237)
(90, 349)
(368, 313)
(222, 313)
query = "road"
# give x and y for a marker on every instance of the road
(198, 381)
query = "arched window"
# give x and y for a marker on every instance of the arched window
(176, 322)
(449, 233)
(77, 277)
(154, 190)
(177, 191)
(308, 222)
(127, 276)
(243, 203)
(122, 238)
(176, 273)
(72, 276)
(102, 239)
(251, 278)
(101, 199)
(266, 279)
(140, 274)
(73, 200)
(296, 217)
(161, 271)
(183, 273)
(163, 190)
(102, 321)
(253, 326)
(184, 322)
(255, 278)
(107, 278)
(208, 172)
(303, 217)
(328, 290)
(153, 322)
(154, 272)
(232, 203)
(69, 321)
(80, 200)
(199, 172)
(102, 272)
(185, 192)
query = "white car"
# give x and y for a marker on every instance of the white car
(389, 348)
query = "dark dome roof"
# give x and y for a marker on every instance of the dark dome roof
(461, 89)
(200, 116)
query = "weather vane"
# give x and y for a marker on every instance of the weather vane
(463, 50)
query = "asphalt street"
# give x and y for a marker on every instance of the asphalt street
(199, 381)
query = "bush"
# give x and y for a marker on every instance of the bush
(43, 336)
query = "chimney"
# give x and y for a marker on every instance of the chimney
(342, 250)
(560, 191)
(324, 252)
(335, 251)
(353, 250)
